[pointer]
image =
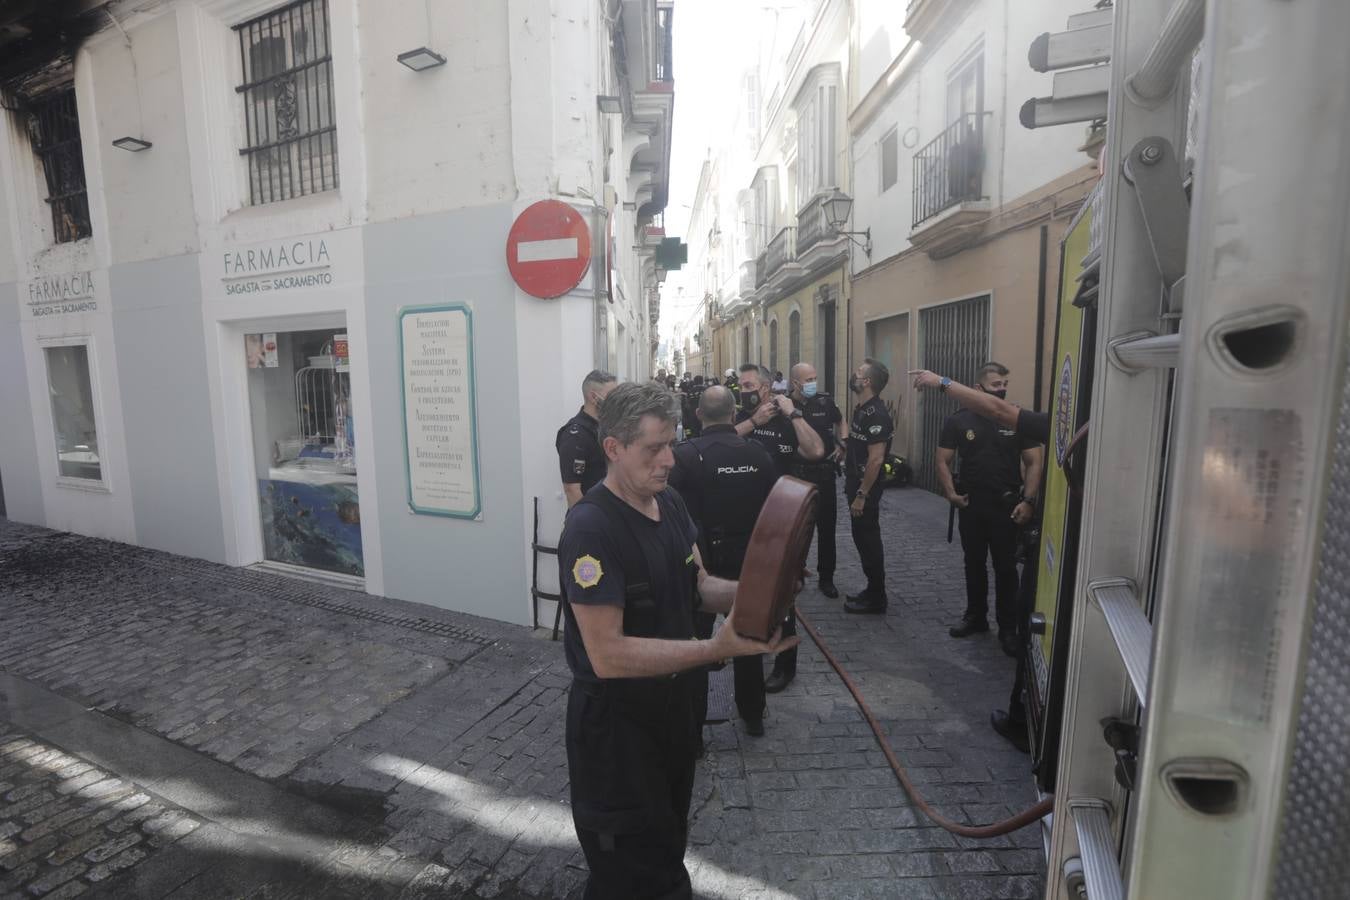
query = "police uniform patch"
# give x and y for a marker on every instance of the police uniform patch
(578, 467)
(875, 429)
(970, 434)
(587, 571)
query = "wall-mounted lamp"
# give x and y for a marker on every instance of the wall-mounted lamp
(837, 211)
(421, 59)
(609, 103)
(135, 145)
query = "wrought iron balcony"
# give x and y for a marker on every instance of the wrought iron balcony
(950, 169)
(782, 249)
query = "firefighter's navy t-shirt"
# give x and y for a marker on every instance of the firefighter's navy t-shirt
(591, 571)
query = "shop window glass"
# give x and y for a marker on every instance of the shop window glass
(304, 442)
(72, 398)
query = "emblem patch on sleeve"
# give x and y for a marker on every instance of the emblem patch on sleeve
(875, 429)
(587, 571)
(579, 467)
(970, 434)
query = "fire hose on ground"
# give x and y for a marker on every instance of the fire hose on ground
(1021, 820)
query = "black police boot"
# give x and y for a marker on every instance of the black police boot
(968, 626)
(865, 603)
(1015, 732)
(754, 727)
(777, 681)
(828, 589)
(1010, 642)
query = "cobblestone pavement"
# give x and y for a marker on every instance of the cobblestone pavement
(66, 825)
(334, 744)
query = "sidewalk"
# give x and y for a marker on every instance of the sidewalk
(170, 727)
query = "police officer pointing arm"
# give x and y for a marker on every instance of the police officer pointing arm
(580, 459)
(633, 578)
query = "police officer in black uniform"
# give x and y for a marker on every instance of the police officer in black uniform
(772, 421)
(1033, 427)
(580, 459)
(869, 440)
(992, 459)
(725, 479)
(632, 576)
(823, 416)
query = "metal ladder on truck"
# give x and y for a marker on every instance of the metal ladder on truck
(1213, 584)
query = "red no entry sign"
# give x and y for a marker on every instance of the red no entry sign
(548, 249)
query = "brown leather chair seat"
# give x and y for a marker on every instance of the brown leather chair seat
(774, 558)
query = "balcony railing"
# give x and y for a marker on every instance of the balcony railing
(811, 225)
(782, 249)
(761, 268)
(950, 168)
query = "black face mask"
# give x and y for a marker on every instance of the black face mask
(749, 401)
(1001, 393)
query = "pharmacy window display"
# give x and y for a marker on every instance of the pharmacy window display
(73, 420)
(299, 386)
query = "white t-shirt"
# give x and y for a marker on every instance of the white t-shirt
(779, 387)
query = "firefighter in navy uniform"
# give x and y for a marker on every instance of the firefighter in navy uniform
(725, 479)
(772, 421)
(632, 578)
(822, 414)
(869, 440)
(580, 459)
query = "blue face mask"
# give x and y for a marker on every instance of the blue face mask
(809, 389)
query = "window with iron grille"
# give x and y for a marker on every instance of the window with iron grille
(54, 129)
(288, 102)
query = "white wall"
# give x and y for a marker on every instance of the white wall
(438, 139)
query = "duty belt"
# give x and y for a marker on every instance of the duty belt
(817, 471)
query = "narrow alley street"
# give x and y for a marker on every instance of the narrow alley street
(173, 728)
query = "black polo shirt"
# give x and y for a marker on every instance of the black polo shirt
(580, 458)
(778, 437)
(1033, 426)
(724, 480)
(991, 456)
(591, 568)
(822, 414)
(871, 425)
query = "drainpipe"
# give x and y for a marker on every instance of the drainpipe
(1040, 320)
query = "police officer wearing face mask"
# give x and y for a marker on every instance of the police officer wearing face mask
(724, 480)
(580, 459)
(869, 439)
(821, 413)
(773, 422)
(992, 462)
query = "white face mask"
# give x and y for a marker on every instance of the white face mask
(809, 389)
